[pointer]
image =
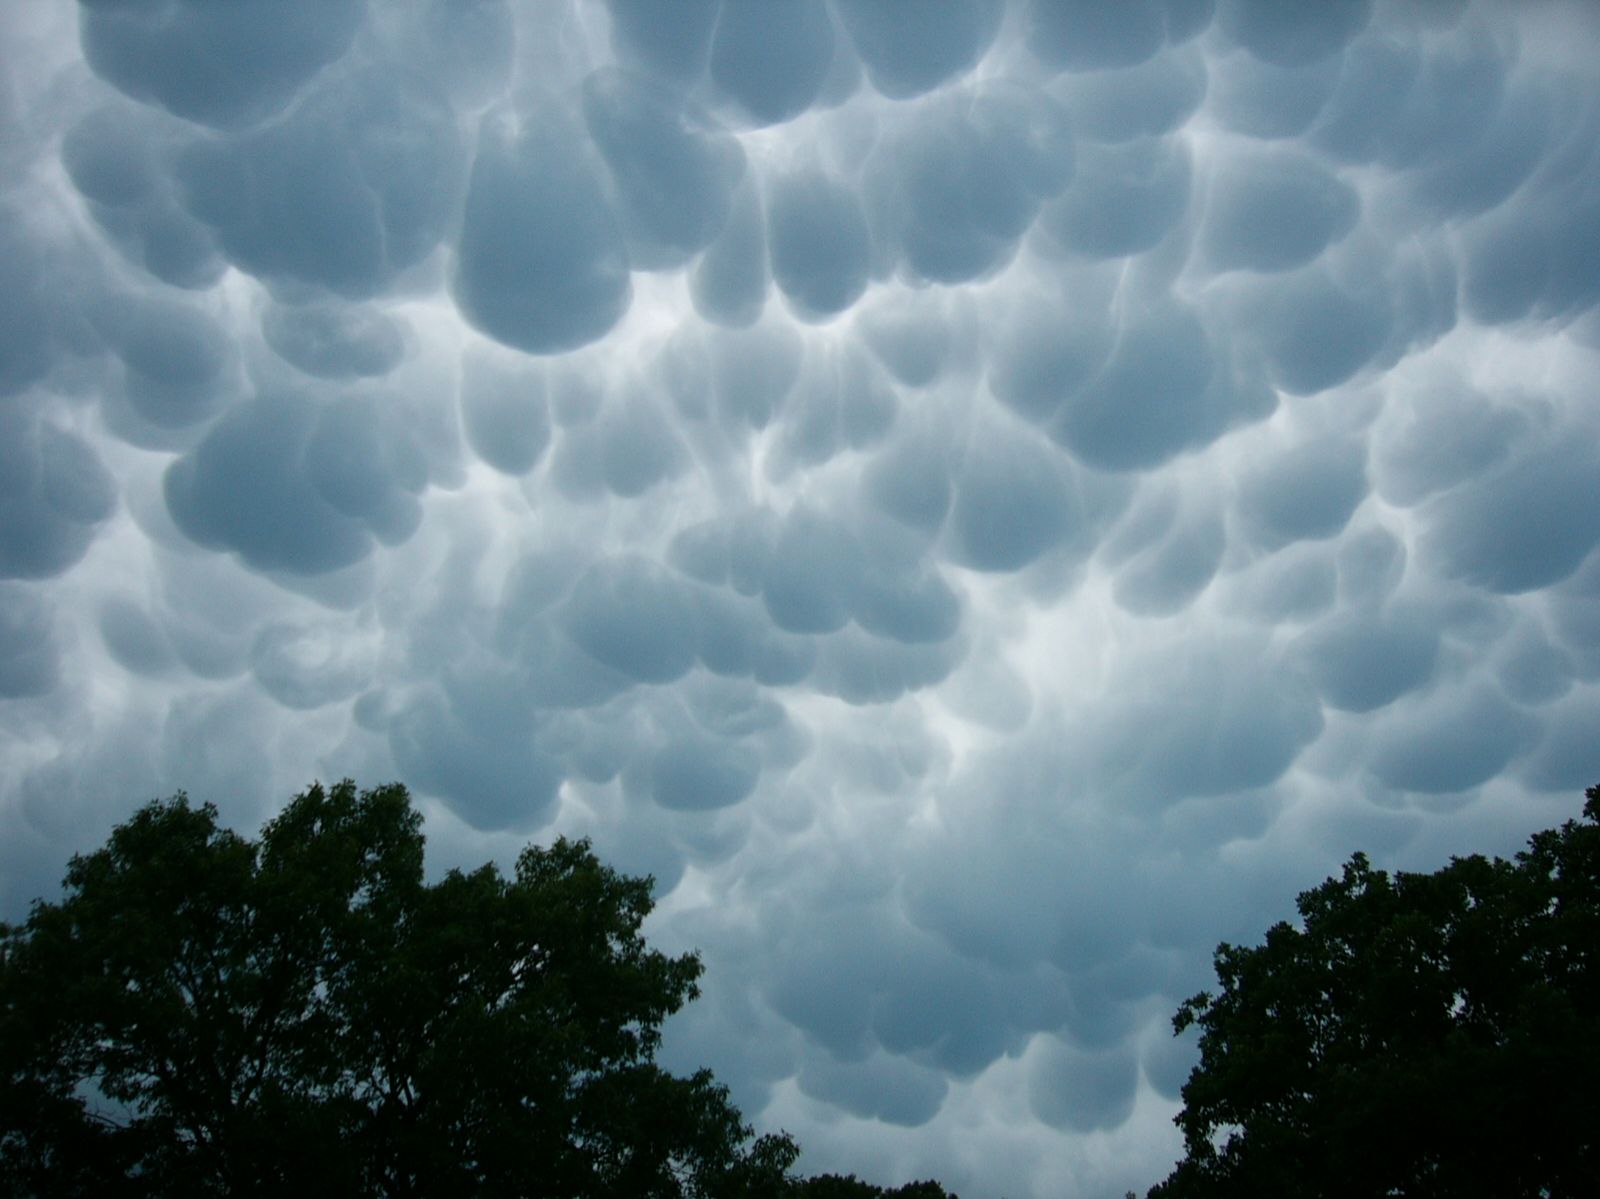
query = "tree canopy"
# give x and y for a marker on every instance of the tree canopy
(207, 1014)
(1416, 1034)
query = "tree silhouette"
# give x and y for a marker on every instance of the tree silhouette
(1418, 1034)
(206, 1014)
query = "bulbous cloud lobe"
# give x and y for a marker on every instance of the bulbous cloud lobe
(540, 265)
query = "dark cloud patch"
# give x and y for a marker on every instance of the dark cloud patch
(1014, 501)
(842, 401)
(893, 598)
(911, 340)
(1298, 583)
(364, 462)
(137, 642)
(1404, 103)
(1316, 332)
(701, 551)
(860, 669)
(1275, 211)
(1523, 526)
(1175, 564)
(1044, 349)
(1528, 258)
(674, 172)
(358, 183)
(220, 65)
(1498, 163)
(1152, 400)
(703, 774)
(1371, 564)
(1458, 740)
(1073, 1090)
(111, 156)
(1261, 99)
(555, 673)
(246, 488)
(1440, 436)
(1287, 36)
(772, 62)
(490, 781)
(306, 666)
(26, 303)
(909, 479)
(1530, 670)
(905, 60)
(949, 1011)
(116, 156)
(885, 1088)
(820, 246)
(1378, 76)
(876, 993)
(504, 411)
(1568, 752)
(637, 446)
(1364, 660)
(729, 283)
(633, 616)
(1574, 613)
(1123, 200)
(1080, 35)
(811, 574)
(467, 50)
(1148, 100)
(958, 187)
(54, 492)
(335, 341)
(1305, 492)
(30, 657)
(753, 371)
(179, 365)
(1220, 719)
(735, 639)
(540, 264)
(670, 38)
(1167, 1064)
(824, 983)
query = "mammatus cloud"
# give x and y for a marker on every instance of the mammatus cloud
(982, 504)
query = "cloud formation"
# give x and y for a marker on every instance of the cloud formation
(981, 504)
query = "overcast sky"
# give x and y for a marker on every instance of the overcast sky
(982, 501)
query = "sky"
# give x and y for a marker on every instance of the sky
(983, 501)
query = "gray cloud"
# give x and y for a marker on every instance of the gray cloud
(772, 64)
(819, 243)
(355, 185)
(56, 491)
(982, 509)
(221, 67)
(539, 263)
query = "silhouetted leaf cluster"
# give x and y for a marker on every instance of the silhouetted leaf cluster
(304, 1014)
(1415, 1035)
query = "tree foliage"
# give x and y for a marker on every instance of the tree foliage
(207, 1014)
(848, 1186)
(1416, 1035)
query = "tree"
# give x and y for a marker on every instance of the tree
(206, 1014)
(848, 1186)
(1418, 1034)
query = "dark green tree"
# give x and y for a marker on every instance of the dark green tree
(1416, 1035)
(206, 1014)
(848, 1186)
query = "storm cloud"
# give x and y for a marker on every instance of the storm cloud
(982, 500)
